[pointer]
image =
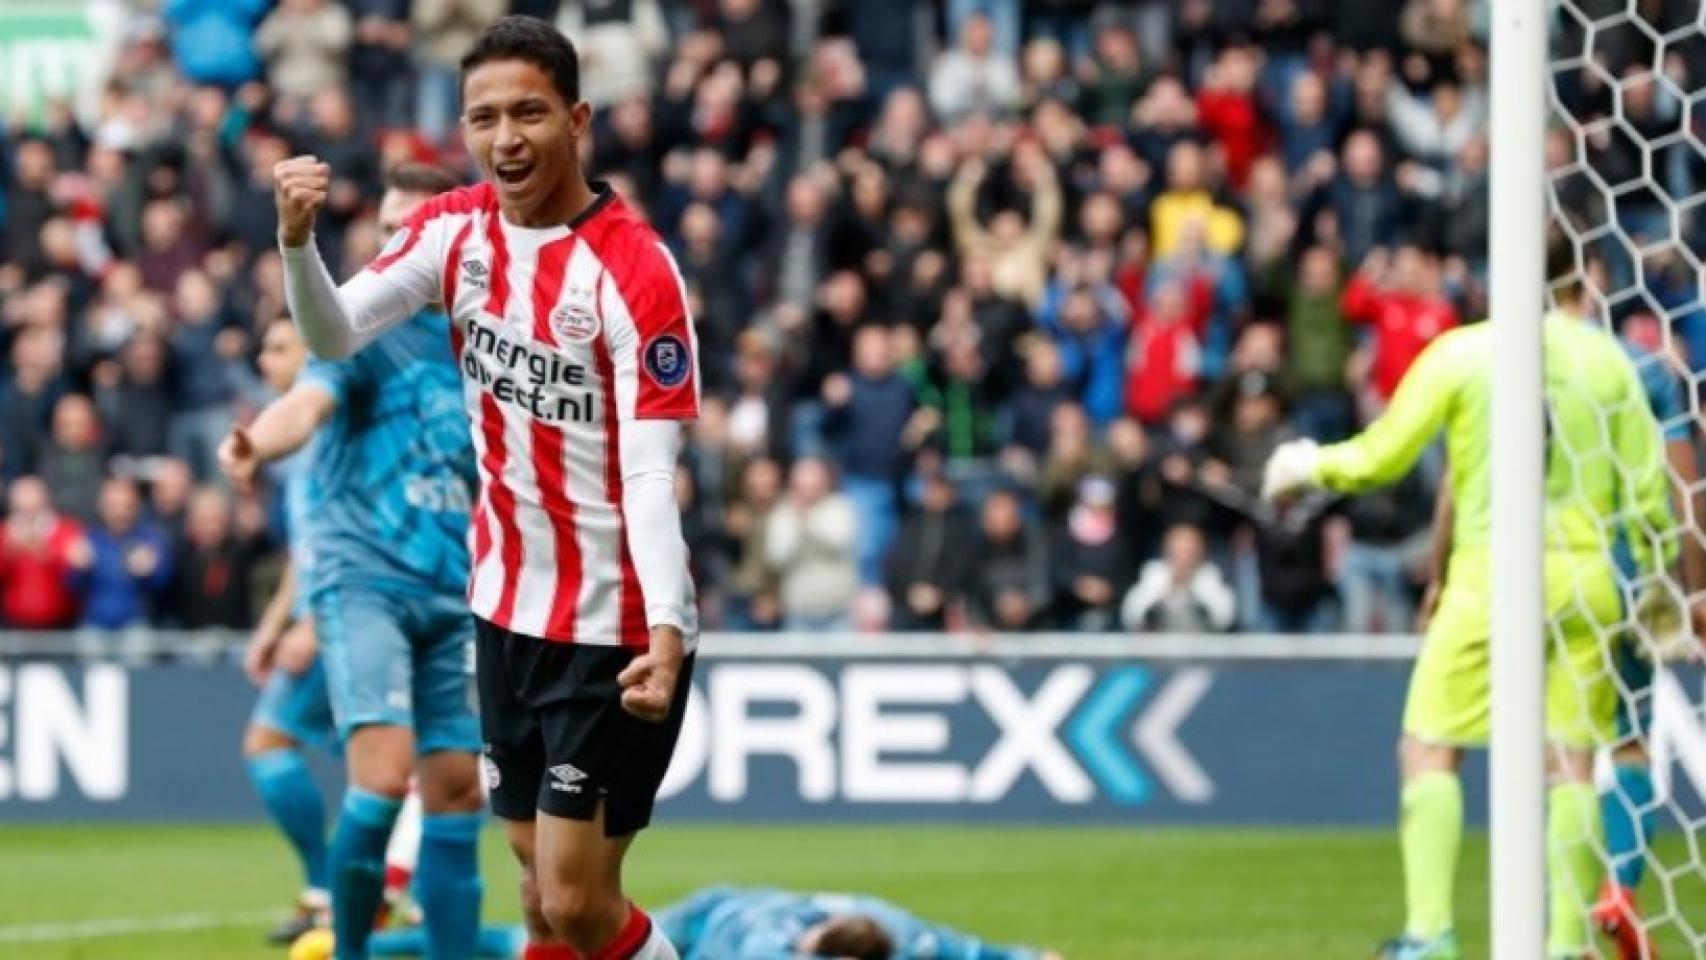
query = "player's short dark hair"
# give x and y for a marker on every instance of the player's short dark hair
(412, 177)
(530, 40)
(854, 936)
(1562, 277)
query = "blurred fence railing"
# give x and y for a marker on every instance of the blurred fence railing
(213, 646)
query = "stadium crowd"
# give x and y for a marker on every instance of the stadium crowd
(1002, 304)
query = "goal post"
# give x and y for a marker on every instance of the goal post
(1517, 197)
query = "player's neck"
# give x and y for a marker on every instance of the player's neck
(558, 210)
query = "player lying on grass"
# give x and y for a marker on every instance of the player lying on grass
(292, 710)
(393, 477)
(1604, 472)
(1628, 810)
(742, 923)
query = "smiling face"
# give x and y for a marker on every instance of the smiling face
(525, 136)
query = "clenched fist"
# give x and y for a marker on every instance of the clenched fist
(300, 185)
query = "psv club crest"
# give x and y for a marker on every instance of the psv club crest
(576, 319)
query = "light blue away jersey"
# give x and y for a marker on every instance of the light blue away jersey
(297, 474)
(733, 923)
(393, 474)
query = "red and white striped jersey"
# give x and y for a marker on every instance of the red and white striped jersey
(561, 333)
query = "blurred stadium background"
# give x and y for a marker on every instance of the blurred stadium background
(1006, 301)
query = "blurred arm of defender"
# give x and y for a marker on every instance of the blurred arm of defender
(336, 321)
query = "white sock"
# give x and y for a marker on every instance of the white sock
(657, 947)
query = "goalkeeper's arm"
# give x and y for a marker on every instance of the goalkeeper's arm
(1385, 451)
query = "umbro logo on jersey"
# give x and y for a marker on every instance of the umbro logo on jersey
(566, 778)
(474, 273)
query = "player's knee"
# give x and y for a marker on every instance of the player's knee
(258, 740)
(448, 785)
(1631, 754)
(383, 780)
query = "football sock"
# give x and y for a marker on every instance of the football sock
(447, 883)
(640, 939)
(1572, 866)
(293, 801)
(358, 868)
(1430, 832)
(1628, 814)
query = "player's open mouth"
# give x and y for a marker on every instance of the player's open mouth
(513, 173)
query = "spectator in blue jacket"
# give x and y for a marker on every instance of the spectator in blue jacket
(1087, 323)
(124, 565)
(211, 39)
(868, 416)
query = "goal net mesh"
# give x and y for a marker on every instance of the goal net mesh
(1625, 156)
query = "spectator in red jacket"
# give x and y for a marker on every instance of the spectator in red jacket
(38, 549)
(1227, 112)
(1398, 297)
(1165, 355)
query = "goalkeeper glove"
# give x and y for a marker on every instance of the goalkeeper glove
(1663, 620)
(1291, 469)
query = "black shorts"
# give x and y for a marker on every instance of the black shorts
(557, 738)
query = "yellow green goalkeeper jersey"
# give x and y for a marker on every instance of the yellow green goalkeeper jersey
(1605, 461)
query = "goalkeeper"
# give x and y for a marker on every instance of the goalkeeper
(1604, 473)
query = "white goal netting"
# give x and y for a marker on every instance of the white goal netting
(1625, 154)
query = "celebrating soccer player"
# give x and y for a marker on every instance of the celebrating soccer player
(392, 484)
(1605, 471)
(570, 326)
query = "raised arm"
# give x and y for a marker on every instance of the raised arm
(336, 322)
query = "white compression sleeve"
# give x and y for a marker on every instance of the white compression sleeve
(653, 519)
(336, 322)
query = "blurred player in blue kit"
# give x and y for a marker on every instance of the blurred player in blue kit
(391, 484)
(293, 711)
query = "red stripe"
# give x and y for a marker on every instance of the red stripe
(452, 270)
(497, 295)
(459, 201)
(501, 501)
(634, 934)
(631, 598)
(549, 951)
(548, 455)
(646, 282)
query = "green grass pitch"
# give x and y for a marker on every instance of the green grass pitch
(1093, 893)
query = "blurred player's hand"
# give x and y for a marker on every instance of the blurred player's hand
(300, 187)
(237, 459)
(1664, 622)
(1290, 470)
(258, 657)
(296, 648)
(648, 683)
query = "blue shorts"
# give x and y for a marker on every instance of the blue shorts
(296, 705)
(403, 660)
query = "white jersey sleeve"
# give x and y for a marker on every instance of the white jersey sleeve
(336, 322)
(649, 451)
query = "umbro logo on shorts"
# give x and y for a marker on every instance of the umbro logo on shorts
(567, 778)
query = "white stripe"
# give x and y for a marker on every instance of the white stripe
(125, 926)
